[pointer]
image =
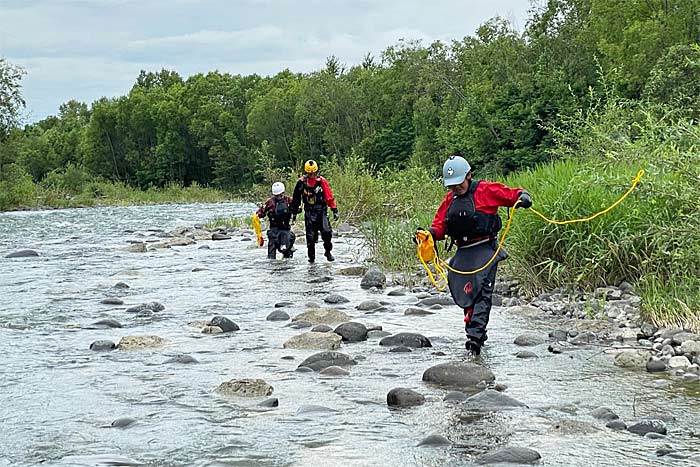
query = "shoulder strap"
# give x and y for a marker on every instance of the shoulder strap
(473, 186)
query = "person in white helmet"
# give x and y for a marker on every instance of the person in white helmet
(469, 216)
(277, 210)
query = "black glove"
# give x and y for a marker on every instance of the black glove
(525, 201)
(421, 232)
(335, 213)
(294, 217)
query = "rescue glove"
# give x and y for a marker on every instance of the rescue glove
(335, 214)
(525, 200)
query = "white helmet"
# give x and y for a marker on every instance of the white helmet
(277, 188)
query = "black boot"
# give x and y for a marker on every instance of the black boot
(329, 256)
(473, 348)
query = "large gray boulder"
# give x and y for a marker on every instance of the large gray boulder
(314, 341)
(245, 388)
(319, 361)
(352, 332)
(512, 455)
(373, 278)
(632, 358)
(458, 374)
(322, 316)
(492, 400)
(404, 397)
(406, 339)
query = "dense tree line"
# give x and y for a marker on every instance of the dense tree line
(495, 96)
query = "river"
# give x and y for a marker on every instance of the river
(59, 398)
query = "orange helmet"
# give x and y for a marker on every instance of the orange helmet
(311, 167)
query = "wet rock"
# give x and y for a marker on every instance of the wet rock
(150, 306)
(102, 346)
(271, 402)
(377, 334)
(604, 413)
(352, 332)
(182, 358)
(220, 236)
(400, 349)
(400, 292)
(107, 323)
(512, 455)
(283, 304)
(691, 347)
(22, 254)
(434, 440)
(304, 369)
(648, 426)
(140, 342)
(322, 328)
(413, 311)
(404, 397)
(199, 269)
(319, 280)
(374, 277)
(334, 371)
(458, 374)
(529, 339)
(648, 330)
(112, 301)
(441, 300)
(585, 337)
(319, 361)
(526, 354)
(335, 299)
(456, 396)
(121, 285)
(245, 388)
(680, 362)
(314, 341)
(224, 323)
(300, 324)
(352, 271)
(212, 330)
(616, 425)
(558, 335)
(123, 422)
(407, 339)
(632, 358)
(369, 305)
(322, 316)
(683, 337)
(492, 400)
(137, 248)
(277, 315)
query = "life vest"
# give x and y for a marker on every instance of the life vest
(464, 223)
(313, 196)
(280, 214)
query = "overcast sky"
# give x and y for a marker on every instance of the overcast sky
(86, 49)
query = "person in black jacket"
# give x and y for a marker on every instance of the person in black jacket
(278, 211)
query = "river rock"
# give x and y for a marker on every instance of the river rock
(319, 361)
(322, 316)
(655, 365)
(322, 328)
(314, 341)
(632, 358)
(220, 236)
(648, 426)
(224, 323)
(407, 339)
(529, 339)
(352, 271)
(150, 306)
(526, 354)
(334, 371)
(440, 300)
(271, 402)
(277, 315)
(683, 337)
(352, 332)
(400, 292)
(22, 254)
(616, 425)
(319, 280)
(212, 330)
(112, 301)
(691, 347)
(374, 277)
(457, 396)
(245, 388)
(679, 362)
(604, 413)
(300, 324)
(511, 455)
(377, 334)
(123, 422)
(458, 374)
(492, 400)
(413, 311)
(369, 305)
(107, 323)
(182, 358)
(310, 409)
(434, 440)
(335, 299)
(102, 346)
(140, 342)
(400, 349)
(283, 304)
(404, 397)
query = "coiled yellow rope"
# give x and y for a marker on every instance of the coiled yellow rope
(426, 255)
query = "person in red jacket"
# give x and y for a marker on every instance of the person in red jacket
(469, 216)
(317, 196)
(278, 211)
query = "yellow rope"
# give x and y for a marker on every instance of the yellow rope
(440, 264)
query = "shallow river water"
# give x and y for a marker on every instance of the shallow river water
(58, 398)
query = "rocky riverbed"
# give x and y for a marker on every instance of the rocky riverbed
(132, 337)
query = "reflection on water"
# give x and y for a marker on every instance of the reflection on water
(59, 399)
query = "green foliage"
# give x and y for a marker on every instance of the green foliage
(11, 102)
(16, 187)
